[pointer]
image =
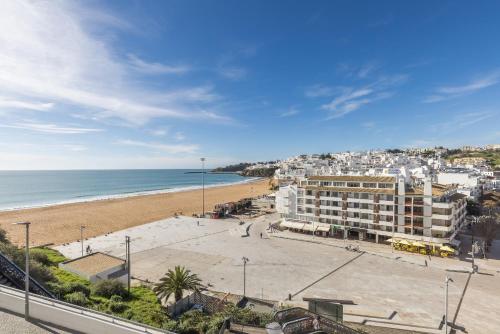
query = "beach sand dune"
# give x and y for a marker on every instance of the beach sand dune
(61, 223)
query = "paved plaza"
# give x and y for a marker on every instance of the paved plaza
(394, 289)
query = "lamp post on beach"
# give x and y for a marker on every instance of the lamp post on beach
(27, 272)
(81, 236)
(203, 184)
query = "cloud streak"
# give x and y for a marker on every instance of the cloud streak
(49, 128)
(155, 68)
(78, 68)
(452, 92)
(352, 98)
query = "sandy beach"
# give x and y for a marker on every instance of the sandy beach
(61, 223)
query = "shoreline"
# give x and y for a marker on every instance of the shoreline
(59, 224)
(127, 195)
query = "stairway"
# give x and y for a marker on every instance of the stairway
(13, 276)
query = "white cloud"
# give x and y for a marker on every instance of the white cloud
(155, 68)
(451, 92)
(15, 104)
(351, 99)
(291, 112)
(168, 148)
(159, 132)
(50, 51)
(49, 128)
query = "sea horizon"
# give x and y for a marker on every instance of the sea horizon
(25, 189)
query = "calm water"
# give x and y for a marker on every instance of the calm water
(35, 188)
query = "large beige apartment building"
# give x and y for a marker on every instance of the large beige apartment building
(373, 207)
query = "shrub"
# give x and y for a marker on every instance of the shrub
(41, 273)
(39, 256)
(64, 276)
(53, 256)
(3, 236)
(77, 298)
(116, 304)
(108, 288)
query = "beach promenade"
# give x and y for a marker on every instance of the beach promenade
(61, 223)
(386, 289)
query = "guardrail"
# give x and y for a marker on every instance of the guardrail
(70, 316)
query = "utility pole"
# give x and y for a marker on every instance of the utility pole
(127, 260)
(27, 272)
(245, 260)
(203, 184)
(81, 236)
(446, 305)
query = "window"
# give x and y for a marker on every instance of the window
(385, 185)
(353, 184)
(339, 184)
(369, 185)
(364, 196)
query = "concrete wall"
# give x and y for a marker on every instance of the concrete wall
(69, 317)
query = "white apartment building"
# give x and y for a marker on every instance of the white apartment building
(374, 207)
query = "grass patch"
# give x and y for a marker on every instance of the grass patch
(54, 256)
(64, 276)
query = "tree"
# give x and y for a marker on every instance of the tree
(175, 282)
(3, 236)
(487, 229)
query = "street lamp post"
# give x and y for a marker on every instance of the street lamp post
(245, 260)
(27, 272)
(81, 236)
(203, 184)
(476, 219)
(446, 305)
(127, 257)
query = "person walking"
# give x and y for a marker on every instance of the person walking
(261, 235)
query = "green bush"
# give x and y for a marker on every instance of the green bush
(3, 236)
(108, 288)
(41, 273)
(116, 305)
(64, 276)
(39, 256)
(77, 298)
(53, 256)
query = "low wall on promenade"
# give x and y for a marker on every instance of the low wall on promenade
(70, 317)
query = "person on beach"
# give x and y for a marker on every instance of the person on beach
(198, 223)
(261, 235)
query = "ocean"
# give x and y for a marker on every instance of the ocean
(24, 189)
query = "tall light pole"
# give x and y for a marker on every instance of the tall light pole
(203, 184)
(245, 260)
(81, 236)
(127, 257)
(472, 241)
(446, 305)
(27, 272)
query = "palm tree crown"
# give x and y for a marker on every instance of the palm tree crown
(175, 282)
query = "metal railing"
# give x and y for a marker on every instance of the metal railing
(85, 312)
(17, 276)
(297, 320)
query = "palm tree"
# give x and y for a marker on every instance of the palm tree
(175, 282)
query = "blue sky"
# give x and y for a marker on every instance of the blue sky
(158, 84)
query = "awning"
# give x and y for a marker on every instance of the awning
(323, 227)
(417, 244)
(447, 249)
(308, 227)
(404, 242)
